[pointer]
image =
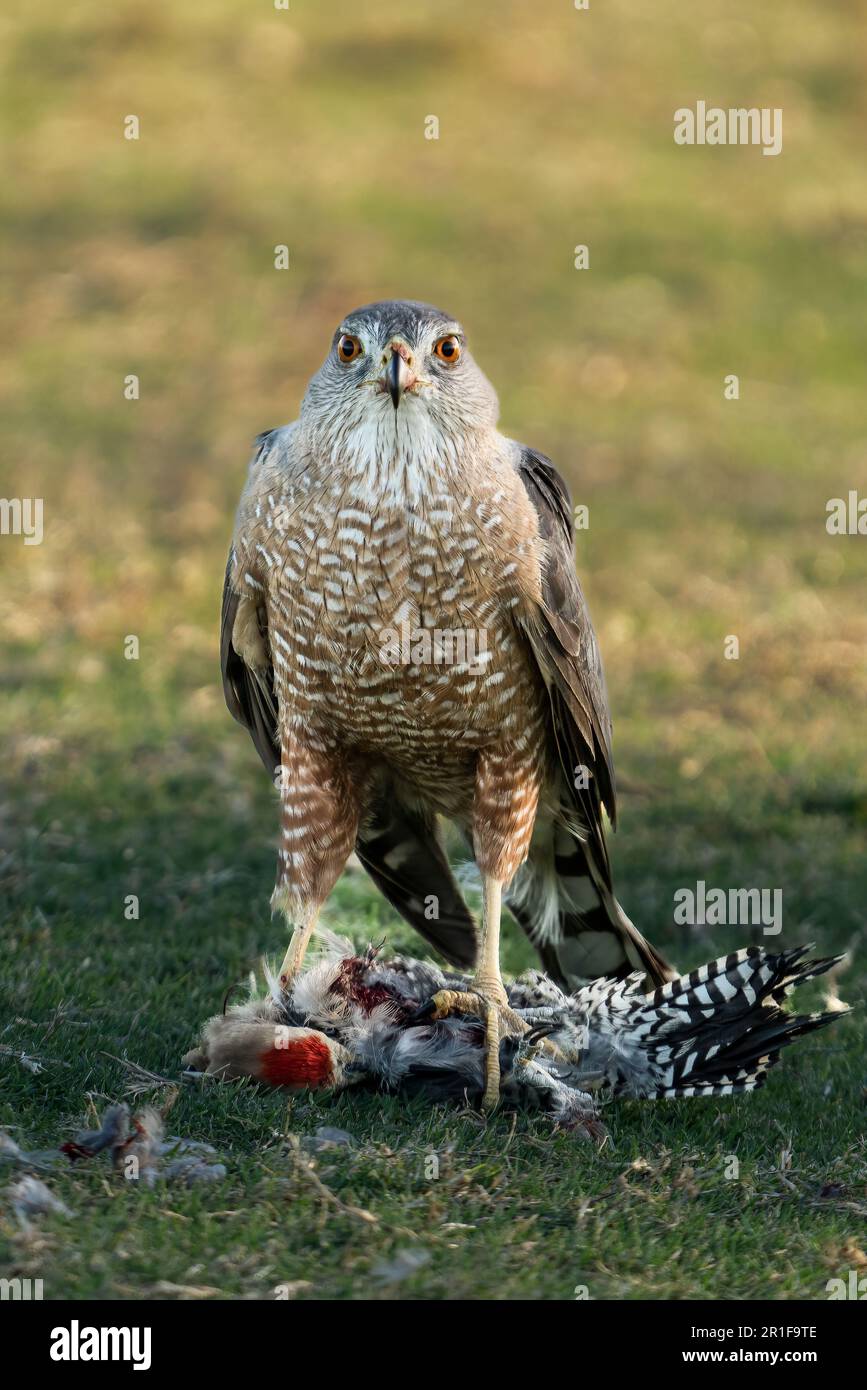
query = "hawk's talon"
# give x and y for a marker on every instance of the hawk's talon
(499, 1020)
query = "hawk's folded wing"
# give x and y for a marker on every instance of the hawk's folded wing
(562, 640)
(249, 693)
(564, 644)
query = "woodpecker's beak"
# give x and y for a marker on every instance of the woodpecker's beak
(397, 376)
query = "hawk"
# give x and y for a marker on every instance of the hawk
(405, 637)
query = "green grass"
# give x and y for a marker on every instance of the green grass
(707, 519)
(651, 1214)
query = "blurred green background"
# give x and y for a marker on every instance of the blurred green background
(306, 127)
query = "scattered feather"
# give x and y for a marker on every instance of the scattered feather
(140, 1153)
(404, 1264)
(327, 1138)
(831, 993)
(30, 1197)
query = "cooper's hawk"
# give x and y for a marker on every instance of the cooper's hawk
(405, 637)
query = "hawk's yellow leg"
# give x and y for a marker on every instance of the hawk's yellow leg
(293, 960)
(488, 995)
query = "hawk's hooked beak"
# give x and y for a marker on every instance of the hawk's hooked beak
(397, 376)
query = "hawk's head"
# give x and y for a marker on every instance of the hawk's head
(398, 371)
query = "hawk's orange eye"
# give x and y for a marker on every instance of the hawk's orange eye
(348, 348)
(448, 349)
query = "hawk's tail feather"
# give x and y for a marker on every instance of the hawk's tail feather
(400, 850)
(566, 906)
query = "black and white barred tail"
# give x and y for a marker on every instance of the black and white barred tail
(713, 1032)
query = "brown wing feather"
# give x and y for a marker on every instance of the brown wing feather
(400, 848)
(249, 695)
(564, 644)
